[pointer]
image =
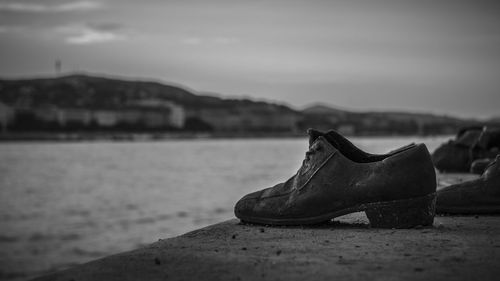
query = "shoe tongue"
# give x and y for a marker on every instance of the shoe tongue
(315, 134)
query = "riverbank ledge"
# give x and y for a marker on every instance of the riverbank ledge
(455, 248)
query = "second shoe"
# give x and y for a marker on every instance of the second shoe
(479, 196)
(396, 190)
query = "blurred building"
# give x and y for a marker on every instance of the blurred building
(162, 111)
(105, 117)
(249, 118)
(6, 116)
(147, 114)
(346, 129)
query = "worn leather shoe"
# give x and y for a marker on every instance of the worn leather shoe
(480, 165)
(470, 144)
(396, 190)
(479, 196)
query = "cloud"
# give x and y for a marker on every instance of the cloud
(74, 34)
(90, 36)
(45, 8)
(211, 41)
(105, 26)
(192, 41)
(11, 28)
(226, 40)
(91, 33)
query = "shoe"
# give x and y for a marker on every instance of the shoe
(396, 190)
(469, 145)
(479, 196)
(480, 165)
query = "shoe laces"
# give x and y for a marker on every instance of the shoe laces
(312, 150)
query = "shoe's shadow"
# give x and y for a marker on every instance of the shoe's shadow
(323, 225)
(351, 221)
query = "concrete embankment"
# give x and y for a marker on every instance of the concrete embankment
(455, 248)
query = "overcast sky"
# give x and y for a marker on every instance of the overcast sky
(423, 56)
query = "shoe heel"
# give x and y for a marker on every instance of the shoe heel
(403, 213)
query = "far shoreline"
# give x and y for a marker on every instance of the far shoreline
(10, 137)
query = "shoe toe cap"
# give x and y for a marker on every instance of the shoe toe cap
(245, 206)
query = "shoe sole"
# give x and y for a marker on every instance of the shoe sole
(408, 213)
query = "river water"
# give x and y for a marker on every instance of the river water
(63, 204)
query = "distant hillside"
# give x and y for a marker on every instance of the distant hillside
(96, 103)
(81, 100)
(90, 91)
(376, 123)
